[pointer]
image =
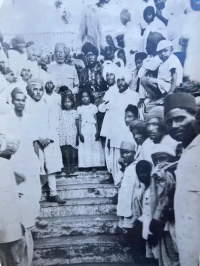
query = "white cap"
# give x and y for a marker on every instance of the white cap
(163, 148)
(164, 44)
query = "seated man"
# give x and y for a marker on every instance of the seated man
(170, 72)
(47, 145)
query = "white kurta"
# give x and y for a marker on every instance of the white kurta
(10, 219)
(186, 204)
(45, 126)
(25, 161)
(64, 75)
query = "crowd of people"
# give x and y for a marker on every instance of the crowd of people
(115, 108)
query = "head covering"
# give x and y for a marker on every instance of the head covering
(138, 124)
(35, 81)
(148, 9)
(125, 73)
(66, 48)
(120, 61)
(125, 14)
(127, 145)
(110, 68)
(163, 148)
(78, 62)
(179, 100)
(15, 91)
(164, 44)
(155, 37)
(140, 55)
(19, 38)
(156, 112)
(146, 165)
(88, 47)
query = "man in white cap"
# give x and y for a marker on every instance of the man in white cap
(47, 147)
(170, 72)
(180, 111)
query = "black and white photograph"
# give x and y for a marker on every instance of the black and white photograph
(99, 132)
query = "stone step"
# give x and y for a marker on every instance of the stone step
(88, 206)
(100, 177)
(84, 191)
(78, 225)
(80, 249)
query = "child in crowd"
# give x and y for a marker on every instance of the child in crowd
(162, 190)
(128, 208)
(90, 152)
(170, 71)
(143, 170)
(68, 132)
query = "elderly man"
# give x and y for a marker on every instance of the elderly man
(18, 54)
(180, 110)
(36, 53)
(47, 147)
(63, 74)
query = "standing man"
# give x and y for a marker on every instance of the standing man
(47, 148)
(63, 74)
(180, 110)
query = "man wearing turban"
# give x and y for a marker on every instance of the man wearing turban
(47, 148)
(180, 111)
(62, 73)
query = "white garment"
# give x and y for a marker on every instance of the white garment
(4, 95)
(16, 60)
(64, 75)
(117, 118)
(164, 72)
(186, 204)
(39, 73)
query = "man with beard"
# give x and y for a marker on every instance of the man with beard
(180, 110)
(63, 74)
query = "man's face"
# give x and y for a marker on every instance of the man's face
(127, 155)
(161, 157)
(19, 101)
(85, 98)
(149, 17)
(36, 56)
(2, 65)
(143, 176)
(165, 53)
(129, 118)
(138, 136)
(122, 85)
(19, 46)
(160, 4)
(138, 63)
(154, 130)
(37, 92)
(26, 74)
(49, 86)
(60, 54)
(179, 123)
(91, 58)
(110, 78)
(109, 40)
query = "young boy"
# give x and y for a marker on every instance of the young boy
(162, 191)
(170, 72)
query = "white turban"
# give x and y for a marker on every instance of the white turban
(125, 73)
(110, 68)
(158, 148)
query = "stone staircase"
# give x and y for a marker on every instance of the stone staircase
(82, 231)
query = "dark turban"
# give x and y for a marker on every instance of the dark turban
(88, 47)
(179, 100)
(138, 124)
(141, 56)
(155, 37)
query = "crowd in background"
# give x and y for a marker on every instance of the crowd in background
(121, 108)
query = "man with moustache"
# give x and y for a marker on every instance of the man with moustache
(180, 111)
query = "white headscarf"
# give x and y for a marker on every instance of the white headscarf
(126, 74)
(110, 68)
